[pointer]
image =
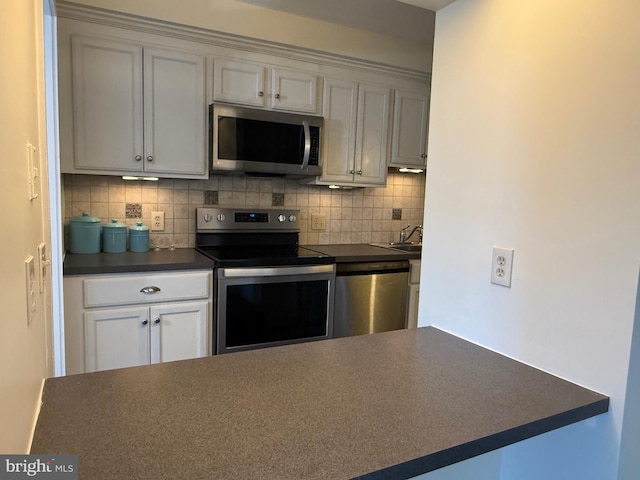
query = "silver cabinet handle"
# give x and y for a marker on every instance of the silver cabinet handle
(150, 290)
(277, 95)
(144, 322)
(156, 321)
(149, 158)
(261, 94)
(359, 172)
(138, 158)
(307, 144)
(424, 155)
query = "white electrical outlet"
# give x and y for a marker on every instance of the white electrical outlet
(157, 220)
(318, 222)
(502, 265)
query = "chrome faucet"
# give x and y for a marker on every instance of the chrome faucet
(403, 234)
(406, 238)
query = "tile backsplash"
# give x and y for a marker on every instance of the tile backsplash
(359, 215)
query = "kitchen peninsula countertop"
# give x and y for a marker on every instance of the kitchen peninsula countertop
(386, 406)
(127, 262)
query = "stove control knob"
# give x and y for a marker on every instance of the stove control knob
(292, 218)
(281, 218)
(220, 217)
(207, 217)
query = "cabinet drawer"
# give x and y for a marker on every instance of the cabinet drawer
(107, 290)
(414, 271)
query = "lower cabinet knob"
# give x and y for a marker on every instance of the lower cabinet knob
(144, 322)
(157, 320)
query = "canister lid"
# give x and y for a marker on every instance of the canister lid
(139, 227)
(85, 218)
(115, 224)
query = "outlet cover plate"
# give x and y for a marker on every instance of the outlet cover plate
(502, 265)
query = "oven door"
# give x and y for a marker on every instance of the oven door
(269, 306)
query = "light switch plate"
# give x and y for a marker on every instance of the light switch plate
(30, 284)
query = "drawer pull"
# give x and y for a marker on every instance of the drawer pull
(150, 290)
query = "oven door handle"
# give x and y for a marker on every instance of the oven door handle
(276, 271)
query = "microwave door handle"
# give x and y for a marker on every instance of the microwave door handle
(307, 144)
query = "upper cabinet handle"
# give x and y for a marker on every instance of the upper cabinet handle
(277, 95)
(149, 158)
(261, 94)
(138, 158)
(150, 290)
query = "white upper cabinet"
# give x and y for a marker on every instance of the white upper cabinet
(107, 105)
(410, 129)
(295, 91)
(239, 82)
(134, 110)
(355, 133)
(250, 84)
(372, 134)
(174, 113)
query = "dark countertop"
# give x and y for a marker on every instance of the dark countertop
(386, 406)
(362, 253)
(151, 261)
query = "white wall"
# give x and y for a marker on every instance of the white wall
(535, 117)
(242, 18)
(22, 348)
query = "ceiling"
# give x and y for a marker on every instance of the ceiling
(407, 19)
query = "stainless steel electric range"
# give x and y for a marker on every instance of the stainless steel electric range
(268, 291)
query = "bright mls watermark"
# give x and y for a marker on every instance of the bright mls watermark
(51, 467)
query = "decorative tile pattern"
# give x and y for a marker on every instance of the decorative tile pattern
(359, 215)
(133, 210)
(210, 197)
(277, 199)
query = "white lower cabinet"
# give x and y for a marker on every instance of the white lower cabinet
(118, 321)
(126, 337)
(414, 293)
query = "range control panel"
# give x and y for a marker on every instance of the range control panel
(246, 219)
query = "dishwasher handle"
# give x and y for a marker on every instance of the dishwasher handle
(369, 268)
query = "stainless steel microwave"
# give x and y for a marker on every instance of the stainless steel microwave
(264, 141)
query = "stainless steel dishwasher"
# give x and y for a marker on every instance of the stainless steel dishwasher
(370, 297)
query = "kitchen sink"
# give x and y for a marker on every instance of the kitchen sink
(405, 247)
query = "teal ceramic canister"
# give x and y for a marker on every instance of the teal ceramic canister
(84, 234)
(114, 237)
(139, 237)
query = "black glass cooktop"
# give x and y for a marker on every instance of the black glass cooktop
(254, 256)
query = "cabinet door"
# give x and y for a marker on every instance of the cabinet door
(339, 130)
(174, 113)
(116, 338)
(239, 82)
(107, 104)
(372, 135)
(294, 91)
(179, 331)
(410, 128)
